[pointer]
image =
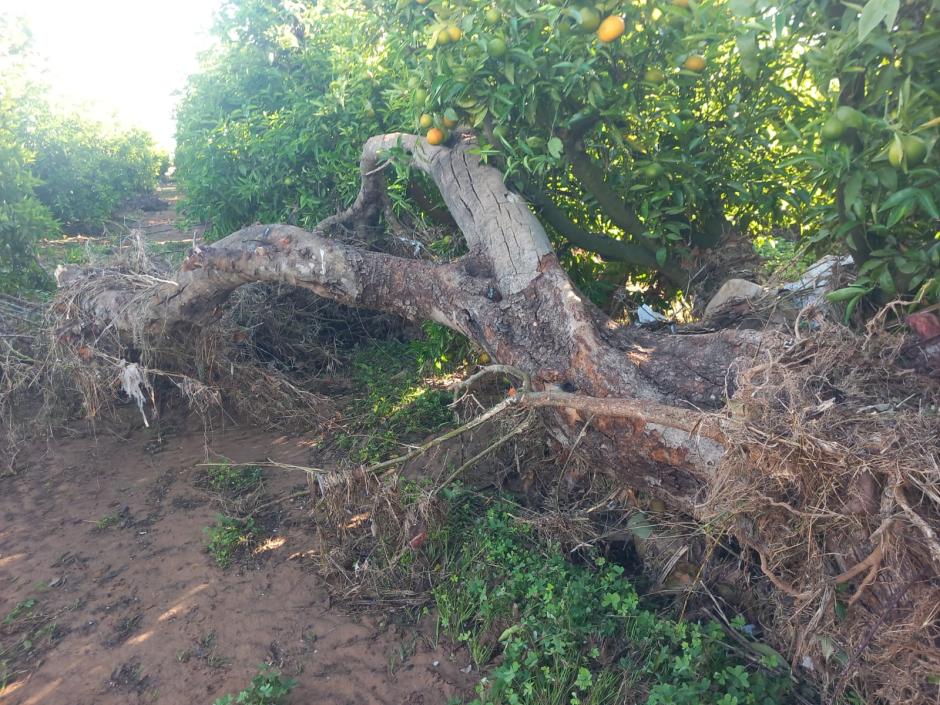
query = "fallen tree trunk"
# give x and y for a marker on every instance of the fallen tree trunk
(814, 497)
(508, 294)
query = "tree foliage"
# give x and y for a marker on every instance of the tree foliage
(56, 168)
(85, 170)
(272, 128)
(638, 152)
(23, 218)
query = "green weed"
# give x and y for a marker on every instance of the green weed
(107, 521)
(22, 609)
(575, 634)
(782, 257)
(400, 398)
(25, 633)
(233, 480)
(267, 688)
(228, 537)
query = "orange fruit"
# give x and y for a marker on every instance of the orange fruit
(454, 33)
(896, 153)
(915, 150)
(425, 121)
(447, 122)
(695, 63)
(680, 3)
(611, 29)
(832, 129)
(443, 37)
(435, 136)
(496, 47)
(590, 19)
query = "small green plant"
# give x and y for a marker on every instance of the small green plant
(401, 399)
(229, 536)
(267, 688)
(570, 633)
(107, 521)
(22, 609)
(233, 480)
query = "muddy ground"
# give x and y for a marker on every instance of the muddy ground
(114, 599)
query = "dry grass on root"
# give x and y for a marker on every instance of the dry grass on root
(264, 360)
(831, 487)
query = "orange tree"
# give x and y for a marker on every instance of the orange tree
(272, 127)
(641, 131)
(874, 166)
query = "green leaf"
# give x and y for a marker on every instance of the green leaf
(555, 147)
(741, 8)
(852, 193)
(905, 194)
(891, 13)
(886, 282)
(845, 294)
(747, 49)
(927, 203)
(773, 657)
(874, 12)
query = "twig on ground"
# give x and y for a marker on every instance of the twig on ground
(478, 421)
(276, 500)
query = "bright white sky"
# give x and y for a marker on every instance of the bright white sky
(122, 59)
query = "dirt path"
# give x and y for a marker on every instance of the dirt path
(114, 600)
(160, 226)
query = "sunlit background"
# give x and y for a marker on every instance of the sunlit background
(123, 60)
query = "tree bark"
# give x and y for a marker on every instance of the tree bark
(642, 392)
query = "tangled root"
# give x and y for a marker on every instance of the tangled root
(831, 487)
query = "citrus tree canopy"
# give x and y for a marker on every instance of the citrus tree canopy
(642, 132)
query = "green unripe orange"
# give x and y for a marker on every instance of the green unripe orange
(496, 47)
(832, 129)
(850, 116)
(492, 15)
(590, 19)
(915, 150)
(425, 121)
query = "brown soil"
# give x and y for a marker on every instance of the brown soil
(141, 612)
(160, 227)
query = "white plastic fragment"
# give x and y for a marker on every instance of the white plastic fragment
(812, 287)
(645, 314)
(134, 383)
